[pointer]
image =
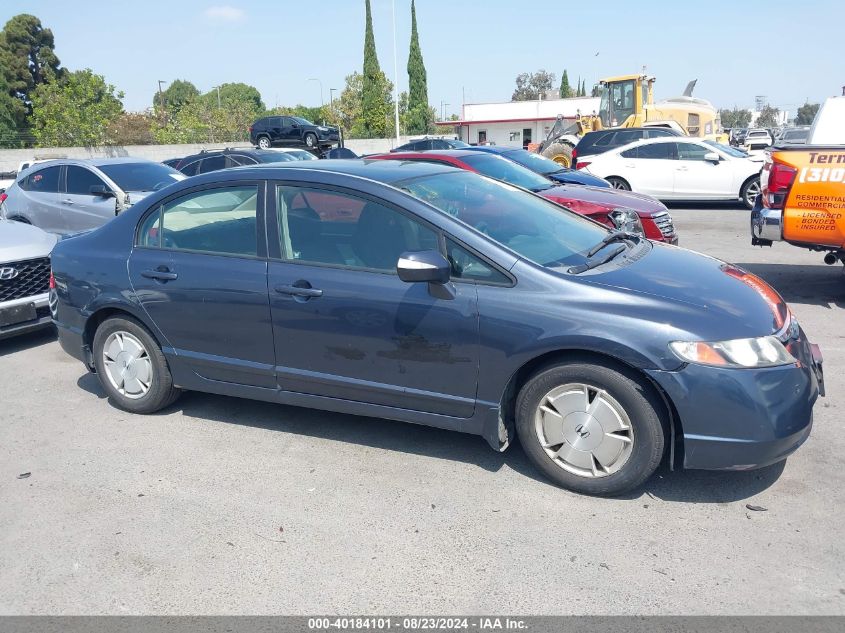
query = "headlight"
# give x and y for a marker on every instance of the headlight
(626, 220)
(765, 351)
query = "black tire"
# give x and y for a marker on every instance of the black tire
(618, 183)
(747, 188)
(263, 142)
(561, 153)
(641, 405)
(311, 141)
(161, 391)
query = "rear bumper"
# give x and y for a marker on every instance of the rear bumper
(72, 342)
(739, 419)
(766, 225)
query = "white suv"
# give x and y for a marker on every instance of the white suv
(757, 138)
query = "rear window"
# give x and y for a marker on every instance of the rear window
(141, 176)
(42, 181)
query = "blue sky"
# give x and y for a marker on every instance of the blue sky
(476, 46)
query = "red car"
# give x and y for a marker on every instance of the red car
(617, 209)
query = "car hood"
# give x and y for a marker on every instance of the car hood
(20, 241)
(609, 198)
(574, 177)
(722, 300)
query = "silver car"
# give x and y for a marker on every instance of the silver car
(68, 196)
(24, 278)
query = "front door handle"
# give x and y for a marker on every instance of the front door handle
(299, 291)
(67, 201)
(160, 275)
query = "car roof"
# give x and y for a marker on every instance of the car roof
(386, 171)
(92, 162)
(249, 151)
(492, 149)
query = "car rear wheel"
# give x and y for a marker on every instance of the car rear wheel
(591, 428)
(618, 183)
(263, 142)
(750, 191)
(131, 366)
(311, 140)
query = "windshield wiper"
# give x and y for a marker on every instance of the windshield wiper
(594, 263)
(615, 236)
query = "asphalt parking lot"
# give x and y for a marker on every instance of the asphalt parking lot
(224, 506)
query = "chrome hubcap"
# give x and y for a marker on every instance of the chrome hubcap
(128, 365)
(309, 141)
(584, 430)
(752, 192)
(263, 143)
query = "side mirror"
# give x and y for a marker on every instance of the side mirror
(101, 190)
(712, 157)
(423, 266)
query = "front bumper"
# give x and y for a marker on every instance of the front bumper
(42, 316)
(739, 419)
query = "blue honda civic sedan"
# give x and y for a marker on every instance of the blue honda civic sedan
(432, 295)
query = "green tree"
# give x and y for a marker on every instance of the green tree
(178, 94)
(735, 118)
(74, 110)
(8, 126)
(806, 114)
(565, 89)
(768, 117)
(27, 60)
(131, 128)
(532, 86)
(376, 101)
(584, 88)
(418, 111)
(349, 106)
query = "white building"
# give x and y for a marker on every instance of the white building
(516, 123)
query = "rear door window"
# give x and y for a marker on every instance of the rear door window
(654, 151)
(42, 181)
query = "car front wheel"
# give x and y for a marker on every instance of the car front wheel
(591, 428)
(131, 366)
(618, 183)
(750, 191)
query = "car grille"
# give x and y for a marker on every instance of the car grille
(664, 223)
(33, 278)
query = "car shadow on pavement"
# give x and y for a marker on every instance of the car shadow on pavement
(679, 486)
(27, 341)
(819, 285)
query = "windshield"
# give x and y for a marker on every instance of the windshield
(536, 229)
(456, 144)
(727, 149)
(301, 121)
(617, 103)
(503, 169)
(795, 135)
(534, 162)
(141, 176)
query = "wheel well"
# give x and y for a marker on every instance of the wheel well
(535, 365)
(608, 178)
(747, 180)
(101, 315)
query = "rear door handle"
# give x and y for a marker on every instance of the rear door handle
(161, 275)
(298, 291)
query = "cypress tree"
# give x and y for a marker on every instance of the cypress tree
(418, 109)
(584, 88)
(565, 88)
(373, 103)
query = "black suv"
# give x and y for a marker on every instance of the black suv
(212, 160)
(593, 143)
(292, 131)
(423, 144)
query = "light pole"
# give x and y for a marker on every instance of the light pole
(443, 105)
(395, 74)
(218, 96)
(331, 100)
(322, 103)
(161, 96)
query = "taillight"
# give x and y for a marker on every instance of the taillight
(775, 180)
(581, 164)
(52, 281)
(3, 197)
(574, 153)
